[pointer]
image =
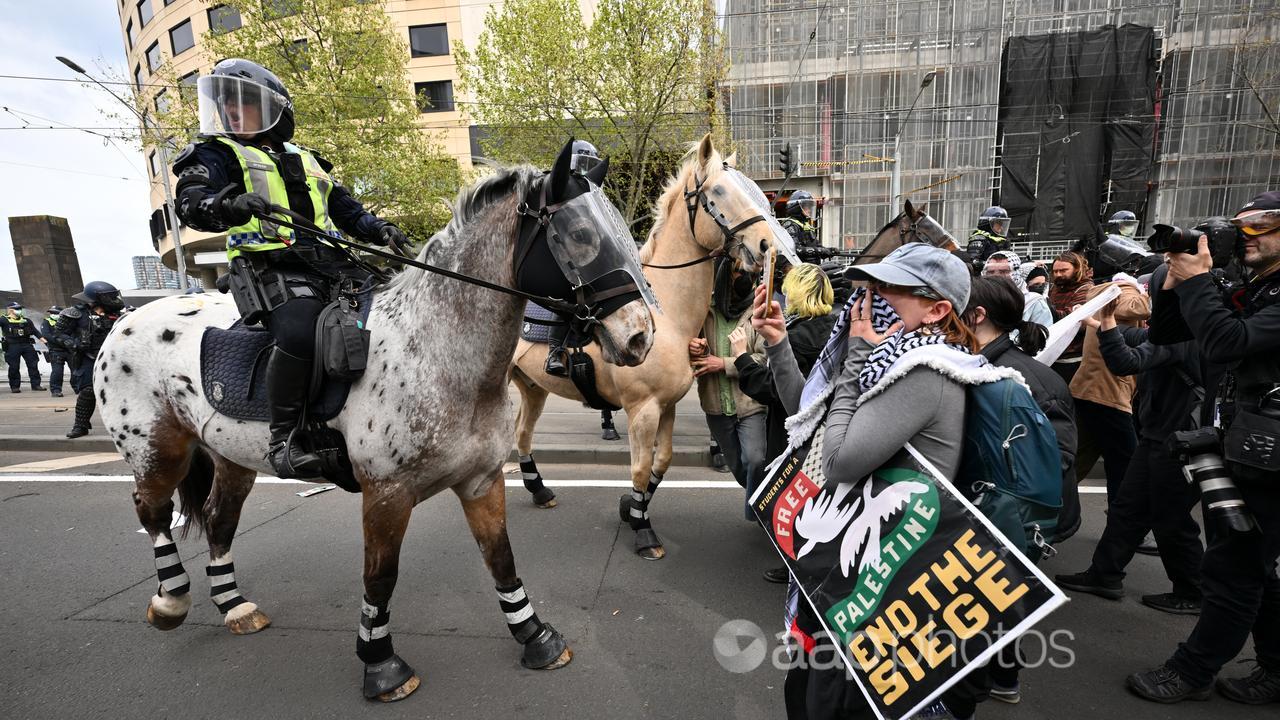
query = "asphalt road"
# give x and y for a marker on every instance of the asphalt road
(77, 576)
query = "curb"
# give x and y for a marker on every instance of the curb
(686, 456)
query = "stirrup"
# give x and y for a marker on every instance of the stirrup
(281, 456)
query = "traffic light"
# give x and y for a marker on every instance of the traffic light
(784, 160)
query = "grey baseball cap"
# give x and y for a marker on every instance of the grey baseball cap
(921, 265)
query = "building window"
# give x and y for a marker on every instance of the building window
(137, 76)
(145, 13)
(428, 40)
(154, 58)
(223, 19)
(187, 86)
(276, 9)
(155, 164)
(163, 105)
(296, 52)
(434, 96)
(181, 38)
(131, 33)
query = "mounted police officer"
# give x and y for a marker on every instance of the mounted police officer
(19, 340)
(57, 355)
(990, 236)
(81, 330)
(802, 209)
(245, 168)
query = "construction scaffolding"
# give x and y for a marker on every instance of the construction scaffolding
(836, 80)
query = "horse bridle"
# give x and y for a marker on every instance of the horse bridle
(591, 305)
(697, 197)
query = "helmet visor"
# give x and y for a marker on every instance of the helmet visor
(581, 163)
(745, 185)
(809, 207)
(1120, 251)
(589, 239)
(1258, 223)
(234, 106)
(999, 226)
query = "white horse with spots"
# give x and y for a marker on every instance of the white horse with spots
(446, 355)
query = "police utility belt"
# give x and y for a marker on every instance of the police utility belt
(1252, 439)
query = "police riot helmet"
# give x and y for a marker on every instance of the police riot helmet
(1123, 223)
(240, 98)
(994, 220)
(53, 310)
(101, 293)
(583, 158)
(802, 205)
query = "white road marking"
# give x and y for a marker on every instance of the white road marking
(62, 463)
(270, 480)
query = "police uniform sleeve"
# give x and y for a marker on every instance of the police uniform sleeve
(351, 217)
(205, 170)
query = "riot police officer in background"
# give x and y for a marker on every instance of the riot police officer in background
(990, 235)
(19, 340)
(1238, 327)
(802, 210)
(57, 355)
(81, 329)
(244, 165)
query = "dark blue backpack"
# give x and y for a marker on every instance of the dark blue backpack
(1011, 464)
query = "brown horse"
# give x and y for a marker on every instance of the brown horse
(913, 224)
(430, 413)
(705, 208)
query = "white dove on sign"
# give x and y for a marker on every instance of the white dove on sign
(819, 522)
(864, 532)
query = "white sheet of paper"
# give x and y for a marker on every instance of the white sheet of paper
(1064, 331)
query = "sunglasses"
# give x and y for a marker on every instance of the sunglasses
(918, 291)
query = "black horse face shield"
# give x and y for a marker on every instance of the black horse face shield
(589, 240)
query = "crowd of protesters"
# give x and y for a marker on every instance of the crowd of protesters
(1187, 343)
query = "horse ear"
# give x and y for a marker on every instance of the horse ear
(598, 173)
(732, 160)
(705, 150)
(560, 173)
(909, 210)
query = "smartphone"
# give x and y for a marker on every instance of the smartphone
(770, 261)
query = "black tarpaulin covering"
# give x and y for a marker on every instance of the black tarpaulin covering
(1076, 109)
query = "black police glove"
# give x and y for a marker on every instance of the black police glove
(392, 236)
(240, 209)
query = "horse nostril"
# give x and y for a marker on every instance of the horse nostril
(636, 345)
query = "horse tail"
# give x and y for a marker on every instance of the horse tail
(194, 490)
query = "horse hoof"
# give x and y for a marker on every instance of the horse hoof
(648, 546)
(609, 434)
(545, 498)
(547, 651)
(163, 622)
(247, 622)
(389, 680)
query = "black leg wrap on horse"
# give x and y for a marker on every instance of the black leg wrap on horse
(533, 481)
(522, 621)
(373, 640)
(222, 587)
(607, 430)
(172, 576)
(385, 676)
(633, 508)
(646, 539)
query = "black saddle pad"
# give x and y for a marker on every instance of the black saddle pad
(537, 332)
(233, 370)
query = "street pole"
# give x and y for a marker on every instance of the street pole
(895, 177)
(169, 214)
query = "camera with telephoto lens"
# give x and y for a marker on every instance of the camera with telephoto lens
(1171, 238)
(1200, 452)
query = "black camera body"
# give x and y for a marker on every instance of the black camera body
(1171, 238)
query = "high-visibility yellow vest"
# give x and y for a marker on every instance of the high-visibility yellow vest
(261, 176)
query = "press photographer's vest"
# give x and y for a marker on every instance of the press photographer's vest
(261, 176)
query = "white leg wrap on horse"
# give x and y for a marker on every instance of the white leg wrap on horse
(522, 621)
(173, 577)
(222, 585)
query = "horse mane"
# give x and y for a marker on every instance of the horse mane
(675, 186)
(473, 200)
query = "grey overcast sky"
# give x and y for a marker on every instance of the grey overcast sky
(101, 189)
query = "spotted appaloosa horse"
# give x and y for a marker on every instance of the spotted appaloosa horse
(447, 428)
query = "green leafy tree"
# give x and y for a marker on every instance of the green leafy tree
(343, 62)
(639, 82)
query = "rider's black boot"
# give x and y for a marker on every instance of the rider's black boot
(85, 403)
(288, 380)
(557, 356)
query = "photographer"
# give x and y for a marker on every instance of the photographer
(1240, 327)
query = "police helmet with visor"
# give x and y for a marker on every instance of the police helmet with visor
(1123, 223)
(994, 220)
(242, 99)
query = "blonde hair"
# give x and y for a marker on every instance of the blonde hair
(808, 291)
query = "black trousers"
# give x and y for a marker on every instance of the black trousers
(1107, 433)
(1154, 496)
(58, 362)
(1241, 590)
(15, 355)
